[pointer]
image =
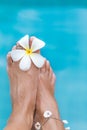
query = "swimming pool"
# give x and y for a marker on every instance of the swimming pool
(64, 29)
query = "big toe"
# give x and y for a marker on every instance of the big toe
(43, 69)
(31, 41)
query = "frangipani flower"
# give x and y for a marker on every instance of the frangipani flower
(28, 53)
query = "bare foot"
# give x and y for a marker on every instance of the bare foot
(46, 100)
(23, 94)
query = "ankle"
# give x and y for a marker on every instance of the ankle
(48, 121)
(50, 106)
(20, 121)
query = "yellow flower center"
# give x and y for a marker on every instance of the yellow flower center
(28, 51)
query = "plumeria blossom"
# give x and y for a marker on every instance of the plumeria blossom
(28, 53)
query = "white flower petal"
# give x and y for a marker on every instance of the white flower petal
(25, 63)
(37, 59)
(37, 44)
(24, 42)
(16, 55)
(47, 114)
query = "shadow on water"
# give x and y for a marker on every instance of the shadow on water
(65, 32)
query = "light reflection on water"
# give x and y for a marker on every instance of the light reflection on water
(65, 32)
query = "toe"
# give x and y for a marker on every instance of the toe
(9, 59)
(47, 67)
(14, 47)
(17, 46)
(30, 42)
(53, 79)
(31, 39)
(50, 73)
(43, 69)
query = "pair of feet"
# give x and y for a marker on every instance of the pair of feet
(32, 93)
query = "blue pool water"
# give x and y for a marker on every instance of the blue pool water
(64, 29)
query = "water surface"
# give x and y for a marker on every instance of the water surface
(64, 29)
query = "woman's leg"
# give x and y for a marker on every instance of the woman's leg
(46, 100)
(23, 93)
